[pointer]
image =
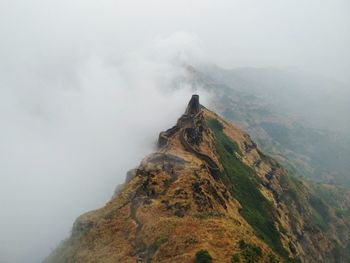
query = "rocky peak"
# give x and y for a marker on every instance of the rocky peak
(193, 134)
(188, 119)
(193, 105)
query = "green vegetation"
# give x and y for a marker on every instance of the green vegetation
(320, 211)
(332, 197)
(320, 148)
(230, 146)
(251, 253)
(311, 151)
(256, 209)
(203, 256)
(321, 200)
(214, 124)
(235, 258)
(294, 189)
(273, 258)
(329, 195)
(340, 253)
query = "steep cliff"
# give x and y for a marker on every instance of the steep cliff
(209, 190)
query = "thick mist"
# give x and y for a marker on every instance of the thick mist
(86, 86)
(67, 141)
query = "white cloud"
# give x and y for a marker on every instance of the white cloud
(69, 135)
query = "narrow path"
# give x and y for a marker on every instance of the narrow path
(212, 166)
(144, 253)
(139, 244)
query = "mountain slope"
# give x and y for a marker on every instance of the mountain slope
(209, 187)
(292, 116)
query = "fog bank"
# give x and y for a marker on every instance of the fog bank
(68, 140)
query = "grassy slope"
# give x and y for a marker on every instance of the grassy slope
(256, 209)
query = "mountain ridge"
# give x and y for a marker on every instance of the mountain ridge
(207, 187)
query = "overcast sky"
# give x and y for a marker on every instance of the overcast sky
(84, 90)
(312, 34)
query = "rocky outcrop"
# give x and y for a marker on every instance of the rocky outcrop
(193, 106)
(190, 128)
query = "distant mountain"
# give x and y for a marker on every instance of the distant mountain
(314, 100)
(209, 194)
(300, 120)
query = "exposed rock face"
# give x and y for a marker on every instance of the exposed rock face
(191, 129)
(193, 105)
(182, 199)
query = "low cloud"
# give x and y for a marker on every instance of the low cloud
(69, 135)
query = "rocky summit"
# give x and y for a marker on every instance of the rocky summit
(208, 194)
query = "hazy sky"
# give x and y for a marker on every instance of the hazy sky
(312, 34)
(84, 90)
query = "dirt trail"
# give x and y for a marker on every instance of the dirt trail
(144, 253)
(212, 166)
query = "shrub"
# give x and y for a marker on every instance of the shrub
(235, 258)
(273, 258)
(242, 244)
(252, 253)
(203, 256)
